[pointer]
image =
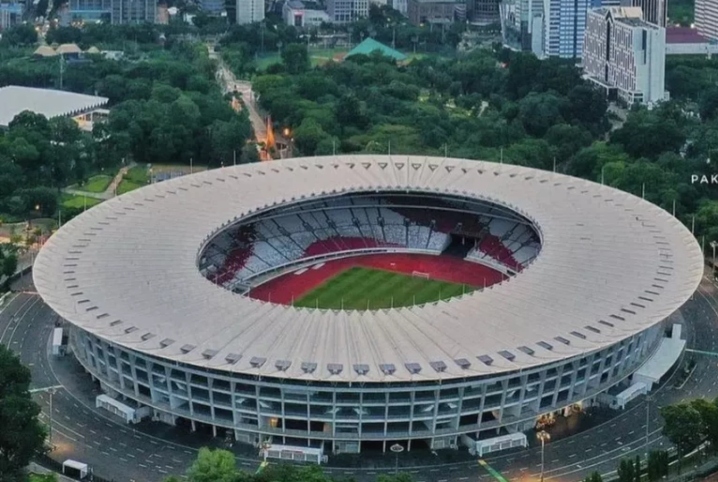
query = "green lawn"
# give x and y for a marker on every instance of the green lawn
(362, 288)
(98, 183)
(43, 478)
(69, 201)
(316, 57)
(136, 177)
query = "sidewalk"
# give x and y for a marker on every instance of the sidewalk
(34, 468)
(108, 193)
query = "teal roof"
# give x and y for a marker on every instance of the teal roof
(369, 45)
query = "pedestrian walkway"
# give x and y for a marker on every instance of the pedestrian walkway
(108, 193)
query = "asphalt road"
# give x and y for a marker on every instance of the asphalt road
(116, 451)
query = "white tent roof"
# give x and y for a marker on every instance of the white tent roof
(611, 265)
(661, 361)
(50, 103)
(74, 464)
(125, 409)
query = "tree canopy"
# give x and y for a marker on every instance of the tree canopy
(509, 107)
(165, 108)
(22, 436)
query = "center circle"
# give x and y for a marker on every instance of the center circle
(370, 250)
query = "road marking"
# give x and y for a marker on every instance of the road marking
(495, 474)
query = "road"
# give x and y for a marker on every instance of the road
(116, 451)
(230, 84)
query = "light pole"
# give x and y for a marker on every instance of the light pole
(713, 245)
(543, 436)
(49, 428)
(397, 449)
(648, 419)
(603, 170)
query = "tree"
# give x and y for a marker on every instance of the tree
(683, 427)
(213, 466)
(538, 112)
(649, 134)
(295, 58)
(626, 471)
(709, 419)
(23, 34)
(594, 477)
(308, 136)
(637, 469)
(22, 436)
(658, 465)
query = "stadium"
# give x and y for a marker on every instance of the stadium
(351, 303)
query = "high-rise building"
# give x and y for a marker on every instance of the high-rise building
(625, 55)
(10, 14)
(345, 11)
(548, 28)
(565, 23)
(212, 7)
(249, 11)
(483, 12)
(134, 11)
(89, 10)
(112, 11)
(654, 11)
(522, 25)
(706, 18)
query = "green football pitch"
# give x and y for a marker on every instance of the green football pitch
(373, 289)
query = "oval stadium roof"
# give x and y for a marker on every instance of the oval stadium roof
(611, 265)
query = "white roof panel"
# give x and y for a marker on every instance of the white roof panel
(602, 250)
(50, 103)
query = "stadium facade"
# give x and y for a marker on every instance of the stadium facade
(154, 285)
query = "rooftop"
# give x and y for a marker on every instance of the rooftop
(611, 266)
(684, 35)
(369, 46)
(50, 103)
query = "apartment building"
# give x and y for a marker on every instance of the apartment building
(625, 55)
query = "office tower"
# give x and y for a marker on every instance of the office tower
(10, 14)
(654, 11)
(134, 11)
(625, 55)
(483, 12)
(706, 18)
(565, 23)
(249, 11)
(522, 25)
(345, 11)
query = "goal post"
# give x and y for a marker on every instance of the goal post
(420, 274)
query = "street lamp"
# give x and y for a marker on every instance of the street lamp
(397, 449)
(713, 245)
(543, 436)
(49, 428)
